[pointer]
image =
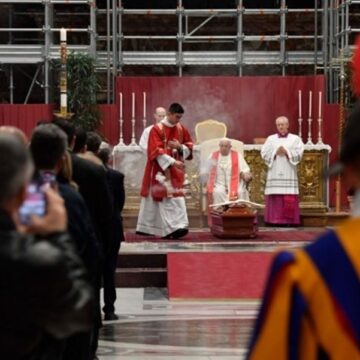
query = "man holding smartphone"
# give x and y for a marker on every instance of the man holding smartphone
(44, 294)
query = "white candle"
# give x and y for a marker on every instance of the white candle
(310, 103)
(144, 107)
(63, 100)
(133, 106)
(320, 95)
(121, 106)
(63, 35)
(299, 104)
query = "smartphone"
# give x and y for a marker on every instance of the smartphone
(47, 178)
(34, 204)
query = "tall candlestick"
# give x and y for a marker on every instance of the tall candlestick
(144, 106)
(121, 122)
(63, 100)
(133, 140)
(133, 105)
(309, 141)
(63, 35)
(144, 109)
(121, 105)
(320, 142)
(63, 113)
(300, 118)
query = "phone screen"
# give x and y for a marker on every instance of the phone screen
(34, 204)
(48, 178)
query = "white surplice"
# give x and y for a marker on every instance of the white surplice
(162, 218)
(144, 139)
(282, 170)
(223, 177)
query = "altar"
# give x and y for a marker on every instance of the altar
(130, 160)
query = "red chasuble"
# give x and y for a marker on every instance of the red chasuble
(235, 171)
(159, 137)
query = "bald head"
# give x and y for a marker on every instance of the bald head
(15, 170)
(282, 125)
(159, 114)
(225, 146)
(14, 131)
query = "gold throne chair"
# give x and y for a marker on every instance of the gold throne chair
(209, 129)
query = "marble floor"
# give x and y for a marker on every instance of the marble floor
(151, 327)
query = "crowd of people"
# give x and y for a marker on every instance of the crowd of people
(61, 230)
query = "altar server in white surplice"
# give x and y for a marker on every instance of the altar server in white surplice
(160, 114)
(163, 209)
(282, 152)
(229, 175)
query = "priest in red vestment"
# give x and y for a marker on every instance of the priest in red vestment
(162, 208)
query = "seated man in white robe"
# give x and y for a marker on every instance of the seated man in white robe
(229, 175)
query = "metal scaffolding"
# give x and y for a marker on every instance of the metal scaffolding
(110, 32)
(342, 27)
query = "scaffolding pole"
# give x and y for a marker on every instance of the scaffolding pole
(114, 47)
(240, 37)
(282, 38)
(11, 84)
(120, 38)
(180, 38)
(108, 53)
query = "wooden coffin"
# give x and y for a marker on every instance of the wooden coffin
(236, 222)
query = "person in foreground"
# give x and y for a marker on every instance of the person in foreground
(282, 152)
(163, 211)
(311, 306)
(44, 293)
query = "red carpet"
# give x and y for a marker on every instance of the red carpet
(217, 275)
(206, 236)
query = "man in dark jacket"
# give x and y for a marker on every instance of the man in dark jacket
(116, 184)
(94, 188)
(48, 147)
(44, 292)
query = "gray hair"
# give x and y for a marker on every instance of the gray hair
(282, 118)
(225, 140)
(16, 166)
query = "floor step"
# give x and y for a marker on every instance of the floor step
(139, 260)
(141, 277)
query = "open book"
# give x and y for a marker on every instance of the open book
(239, 202)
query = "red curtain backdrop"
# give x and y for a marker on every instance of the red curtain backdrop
(331, 137)
(247, 105)
(25, 117)
(109, 126)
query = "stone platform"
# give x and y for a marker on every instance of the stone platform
(144, 263)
